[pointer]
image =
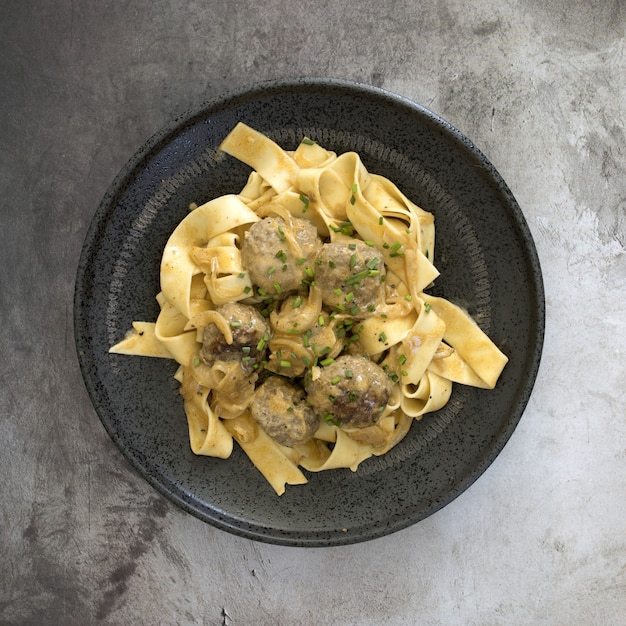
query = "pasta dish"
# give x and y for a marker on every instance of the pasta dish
(297, 313)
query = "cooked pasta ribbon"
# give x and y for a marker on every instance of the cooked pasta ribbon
(422, 343)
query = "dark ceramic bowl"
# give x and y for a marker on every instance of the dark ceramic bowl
(488, 265)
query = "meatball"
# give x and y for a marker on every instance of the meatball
(352, 391)
(279, 258)
(250, 334)
(280, 408)
(350, 274)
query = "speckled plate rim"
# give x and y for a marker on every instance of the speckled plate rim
(234, 523)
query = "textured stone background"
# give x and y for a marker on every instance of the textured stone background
(540, 538)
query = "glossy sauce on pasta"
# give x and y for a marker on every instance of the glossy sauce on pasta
(296, 310)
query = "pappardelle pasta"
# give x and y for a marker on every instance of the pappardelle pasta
(297, 313)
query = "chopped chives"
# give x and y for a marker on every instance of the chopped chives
(408, 297)
(402, 359)
(281, 255)
(320, 320)
(235, 323)
(353, 260)
(335, 380)
(352, 246)
(271, 270)
(308, 142)
(326, 362)
(355, 278)
(247, 289)
(281, 233)
(241, 275)
(301, 261)
(297, 302)
(427, 307)
(354, 310)
(304, 201)
(349, 374)
(380, 220)
(285, 363)
(382, 337)
(278, 288)
(369, 243)
(337, 291)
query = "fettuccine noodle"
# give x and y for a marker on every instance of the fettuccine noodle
(296, 310)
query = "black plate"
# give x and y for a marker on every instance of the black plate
(484, 251)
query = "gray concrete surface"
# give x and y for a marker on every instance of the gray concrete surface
(540, 538)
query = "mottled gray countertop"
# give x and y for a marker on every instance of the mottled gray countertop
(539, 86)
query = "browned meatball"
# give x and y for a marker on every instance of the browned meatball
(350, 274)
(280, 408)
(250, 334)
(353, 392)
(279, 258)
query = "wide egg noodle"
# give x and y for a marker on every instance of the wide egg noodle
(207, 434)
(196, 230)
(420, 345)
(170, 331)
(142, 341)
(224, 275)
(346, 452)
(470, 344)
(430, 394)
(272, 460)
(422, 342)
(258, 151)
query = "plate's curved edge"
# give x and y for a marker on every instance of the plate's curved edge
(259, 533)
